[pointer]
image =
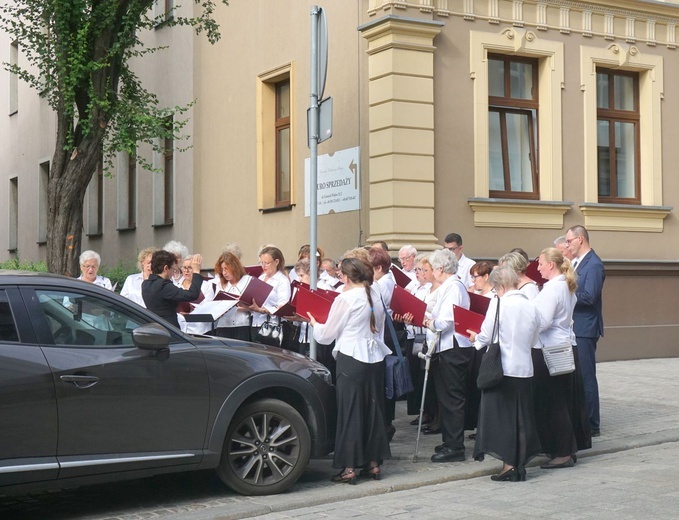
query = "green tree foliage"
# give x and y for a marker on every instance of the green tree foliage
(78, 54)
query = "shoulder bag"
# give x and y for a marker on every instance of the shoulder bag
(490, 369)
(397, 369)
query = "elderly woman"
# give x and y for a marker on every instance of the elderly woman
(506, 427)
(451, 361)
(89, 267)
(355, 323)
(132, 286)
(180, 251)
(559, 400)
(232, 279)
(518, 263)
(206, 293)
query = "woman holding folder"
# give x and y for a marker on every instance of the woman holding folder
(232, 279)
(560, 407)
(355, 323)
(506, 428)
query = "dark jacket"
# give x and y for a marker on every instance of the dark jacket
(588, 321)
(162, 296)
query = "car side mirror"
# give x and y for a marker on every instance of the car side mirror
(151, 337)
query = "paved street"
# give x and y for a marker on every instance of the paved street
(632, 465)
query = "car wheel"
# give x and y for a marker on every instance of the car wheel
(266, 449)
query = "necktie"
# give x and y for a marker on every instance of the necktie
(575, 265)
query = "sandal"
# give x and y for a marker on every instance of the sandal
(373, 472)
(345, 476)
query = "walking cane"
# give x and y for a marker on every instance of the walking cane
(427, 361)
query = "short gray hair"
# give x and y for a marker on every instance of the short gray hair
(177, 249)
(505, 277)
(234, 249)
(409, 250)
(89, 255)
(515, 261)
(445, 259)
(560, 240)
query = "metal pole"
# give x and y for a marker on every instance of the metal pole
(314, 123)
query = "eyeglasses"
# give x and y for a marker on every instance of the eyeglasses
(265, 264)
(404, 258)
(453, 248)
(569, 240)
(187, 268)
(86, 267)
(475, 276)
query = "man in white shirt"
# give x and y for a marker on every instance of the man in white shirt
(453, 243)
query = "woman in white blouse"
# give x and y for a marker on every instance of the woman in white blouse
(273, 272)
(355, 323)
(89, 267)
(232, 279)
(132, 286)
(519, 264)
(506, 425)
(559, 400)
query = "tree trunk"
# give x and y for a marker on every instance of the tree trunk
(69, 176)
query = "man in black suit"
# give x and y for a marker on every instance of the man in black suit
(160, 294)
(588, 322)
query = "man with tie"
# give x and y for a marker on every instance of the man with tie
(588, 323)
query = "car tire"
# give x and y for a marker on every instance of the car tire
(266, 449)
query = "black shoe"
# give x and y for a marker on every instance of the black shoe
(416, 421)
(596, 433)
(373, 472)
(472, 436)
(448, 455)
(431, 431)
(512, 475)
(568, 464)
(391, 430)
(439, 448)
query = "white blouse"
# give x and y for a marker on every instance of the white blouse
(280, 295)
(101, 281)
(348, 325)
(519, 326)
(198, 327)
(530, 289)
(235, 317)
(451, 292)
(132, 289)
(555, 303)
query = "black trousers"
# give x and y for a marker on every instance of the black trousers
(450, 369)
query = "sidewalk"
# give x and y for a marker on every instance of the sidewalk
(639, 407)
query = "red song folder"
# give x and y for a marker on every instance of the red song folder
(402, 279)
(478, 303)
(533, 273)
(466, 319)
(254, 270)
(403, 302)
(313, 302)
(256, 290)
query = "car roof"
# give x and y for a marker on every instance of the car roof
(12, 276)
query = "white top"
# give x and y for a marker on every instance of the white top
(279, 296)
(235, 317)
(519, 325)
(464, 264)
(385, 286)
(101, 281)
(132, 289)
(198, 327)
(451, 292)
(530, 289)
(555, 303)
(348, 325)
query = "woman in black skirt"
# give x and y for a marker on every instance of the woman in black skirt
(355, 322)
(506, 425)
(560, 407)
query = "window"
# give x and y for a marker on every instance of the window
(13, 214)
(163, 11)
(512, 127)
(275, 153)
(82, 319)
(13, 79)
(42, 201)
(8, 329)
(95, 202)
(127, 191)
(282, 125)
(618, 132)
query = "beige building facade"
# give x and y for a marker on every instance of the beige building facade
(506, 121)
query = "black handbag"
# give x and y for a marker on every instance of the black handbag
(490, 369)
(270, 333)
(397, 380)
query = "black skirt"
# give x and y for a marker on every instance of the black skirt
(241, 333)
(506, 425)
(361, 433)
(560, 409)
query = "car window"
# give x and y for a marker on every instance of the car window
(85, 319)
(8, 329)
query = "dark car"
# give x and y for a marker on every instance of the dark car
(95, 388)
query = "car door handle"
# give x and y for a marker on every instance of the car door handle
(81, 381)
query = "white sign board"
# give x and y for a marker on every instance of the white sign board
(338, 182)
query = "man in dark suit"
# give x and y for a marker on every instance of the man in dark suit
(588, 322)
(160, 294)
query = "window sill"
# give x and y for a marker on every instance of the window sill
(163, 225)
(277, 209)
(624, 217)
(518, 213)
(98, 234)
(42, 242)
(125, 229)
